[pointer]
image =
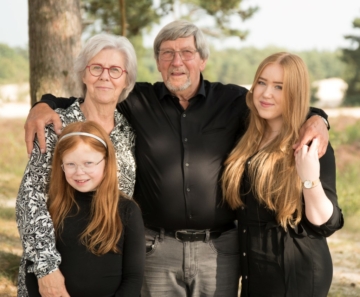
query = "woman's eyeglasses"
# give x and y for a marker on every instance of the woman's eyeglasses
(114, 71)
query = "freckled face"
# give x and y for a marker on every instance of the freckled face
(268, 94)
(80, 180)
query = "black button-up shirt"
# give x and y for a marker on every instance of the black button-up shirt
(180, 153)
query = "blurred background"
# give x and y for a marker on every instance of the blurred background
(40, 38)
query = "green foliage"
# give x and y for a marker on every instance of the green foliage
(9, 266)
(348, 187)
(14, 65)
(350, 135)
(351, 57)
(323, 64)
(7, 213)
(222, 13)
(137, 16)
(346, 143)
(238, 66)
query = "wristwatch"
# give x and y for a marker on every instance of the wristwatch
(308, 184)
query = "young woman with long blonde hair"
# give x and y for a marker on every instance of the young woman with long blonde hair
(286, 205)
(99, 231)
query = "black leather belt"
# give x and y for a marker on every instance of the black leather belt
(194, 235)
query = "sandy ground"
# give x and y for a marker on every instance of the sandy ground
(14, 110)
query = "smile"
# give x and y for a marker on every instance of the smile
(266, 104)
(81, 181)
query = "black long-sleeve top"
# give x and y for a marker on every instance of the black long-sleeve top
(296, 263)
(180, 153)
(109, 275)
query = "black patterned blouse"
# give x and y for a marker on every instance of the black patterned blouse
(33, 219)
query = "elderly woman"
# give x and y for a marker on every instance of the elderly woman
(107, 67)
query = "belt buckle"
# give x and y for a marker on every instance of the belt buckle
(179, 231)
(190, 233)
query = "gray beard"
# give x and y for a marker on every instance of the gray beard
(173, 89)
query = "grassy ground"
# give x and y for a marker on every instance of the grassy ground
(344, 245)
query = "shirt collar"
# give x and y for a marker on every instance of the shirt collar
(164, 92)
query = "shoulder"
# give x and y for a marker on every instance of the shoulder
(121, 122)
(72, 113)
(143, 87)
(128, 209)
(141, 91)
(231, 88)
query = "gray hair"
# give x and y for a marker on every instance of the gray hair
(103, 41)
(181, 29)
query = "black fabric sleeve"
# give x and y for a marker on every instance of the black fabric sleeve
(317, 111)
(328, 182)
(140, 90)
(56, 102)
(125, 106)
(133, 251)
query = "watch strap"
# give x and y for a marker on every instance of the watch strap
(309, 184)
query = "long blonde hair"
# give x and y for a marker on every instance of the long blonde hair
(272, 173)
(104, 229)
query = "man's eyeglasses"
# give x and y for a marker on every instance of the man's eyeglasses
(168, 55)
(87, 167)
(114, 71)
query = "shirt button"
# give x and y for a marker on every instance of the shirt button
(184, 115)
(187, 164)
(244, 230)
(185, 139)
(242, 207)
(188, 189)
(244, 254)
(245, 276)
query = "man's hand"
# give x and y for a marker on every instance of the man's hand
(314, 127)
(53, 285)
(307, 162)
(40, 116)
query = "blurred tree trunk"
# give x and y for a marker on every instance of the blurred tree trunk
(123, 17)
(54, 42)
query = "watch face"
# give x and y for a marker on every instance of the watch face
(307, 184)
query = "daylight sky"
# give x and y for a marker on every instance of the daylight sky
(292, 24)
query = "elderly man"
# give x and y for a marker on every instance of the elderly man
(185, 127)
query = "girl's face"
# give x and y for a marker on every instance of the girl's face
(268, 95)
(84, 168)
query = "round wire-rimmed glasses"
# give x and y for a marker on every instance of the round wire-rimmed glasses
(114, 71)
(87, 167)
